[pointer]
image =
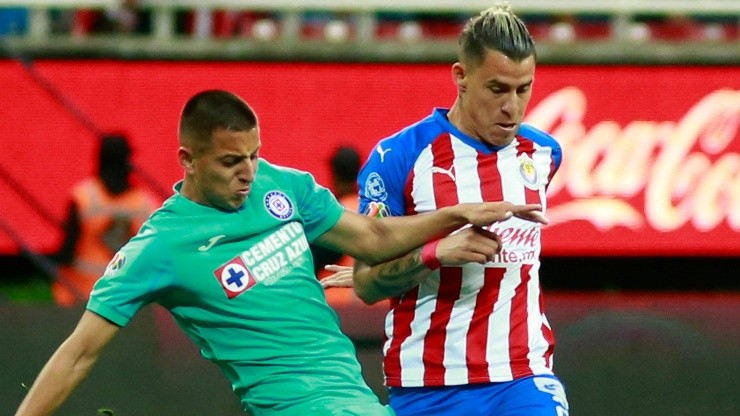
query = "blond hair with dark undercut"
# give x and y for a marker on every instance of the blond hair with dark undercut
(498, 29)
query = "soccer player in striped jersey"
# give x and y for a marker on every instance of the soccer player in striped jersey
(469, 337)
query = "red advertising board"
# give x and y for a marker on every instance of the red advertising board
(651, 162)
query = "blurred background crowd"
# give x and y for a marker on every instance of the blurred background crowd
(340, 21)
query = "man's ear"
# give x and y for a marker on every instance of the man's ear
(459, 76)
(185, 157)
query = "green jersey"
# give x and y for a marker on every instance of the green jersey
(241, 285)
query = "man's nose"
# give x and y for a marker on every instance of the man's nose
(247, 171)
(510, 103)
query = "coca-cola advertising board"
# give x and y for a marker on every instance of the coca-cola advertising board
(651, 155)
(648, 185)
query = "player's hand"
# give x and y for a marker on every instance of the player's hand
(483, 214)
(534, 215)
(469, 245)
(342, 276)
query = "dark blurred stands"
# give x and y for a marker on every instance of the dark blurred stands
(372, 29)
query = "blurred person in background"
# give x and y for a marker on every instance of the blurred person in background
(466, 334)
(227, 255)
(344, 165)
(104, 212)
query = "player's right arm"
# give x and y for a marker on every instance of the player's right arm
(68, 366)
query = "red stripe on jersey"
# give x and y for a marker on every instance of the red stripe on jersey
(403, 314)
(527, 147)
(408, 188)
(443, 179)
(518, 334)
(547, 334)
(490, 178)
(477, 339)
(434, 342)
(552, 172)
(450, 278)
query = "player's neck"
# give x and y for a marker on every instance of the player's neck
(455, 117)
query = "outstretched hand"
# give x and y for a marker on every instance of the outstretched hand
(487, 213)
(342, 276)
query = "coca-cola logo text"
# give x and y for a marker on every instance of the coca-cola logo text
(683, 170)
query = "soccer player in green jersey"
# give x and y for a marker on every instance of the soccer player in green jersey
(228, 256)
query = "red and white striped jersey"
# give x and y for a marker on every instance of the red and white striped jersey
(475, 323)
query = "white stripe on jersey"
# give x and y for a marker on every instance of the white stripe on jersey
(537, 343)
(497, 353)
(466, 168)
(542, 159)
(511, 184)
(412, 350)
(423, 185)
(457, 329)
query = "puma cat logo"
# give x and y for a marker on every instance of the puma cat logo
(382, 152)
(450, 172)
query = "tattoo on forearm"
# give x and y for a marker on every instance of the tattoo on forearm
(400, 275)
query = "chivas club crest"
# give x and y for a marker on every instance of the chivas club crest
(528, 172)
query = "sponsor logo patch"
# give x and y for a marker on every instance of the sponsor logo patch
(377, 210)
(115, 264)
(234, 277)
(278, 204)
(375, 187)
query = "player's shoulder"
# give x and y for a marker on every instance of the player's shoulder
(424, 130)
(166, 223)
(271, 176)
(155, 229)
(411, 139)
(148, 247)
(542, 138)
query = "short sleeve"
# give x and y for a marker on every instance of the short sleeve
(318, 207)
(135, 277)
(383, 177)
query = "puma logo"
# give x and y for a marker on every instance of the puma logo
(211, 242)
(450, 172)
(382, 152)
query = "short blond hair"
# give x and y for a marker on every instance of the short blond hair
(496, 28)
